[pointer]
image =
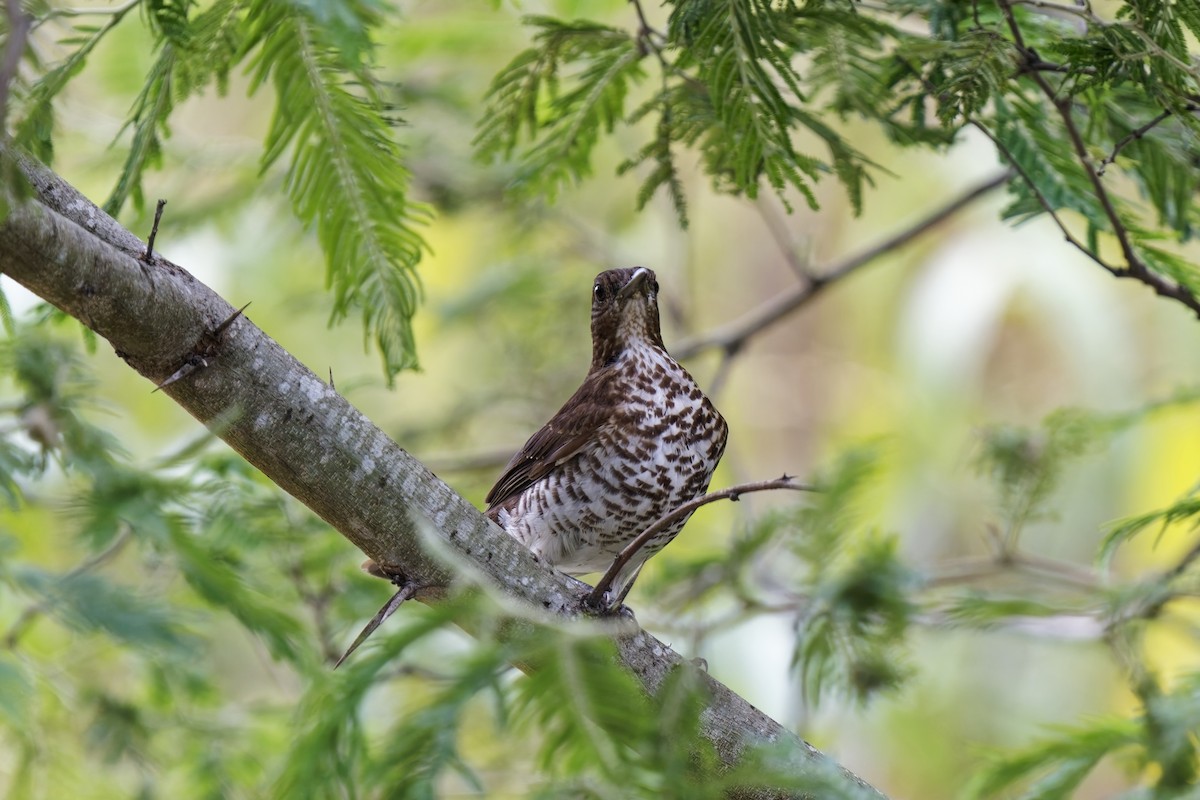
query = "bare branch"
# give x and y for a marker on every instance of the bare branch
(734, 335)
(776, 223)
(18, 32)
(732, 493)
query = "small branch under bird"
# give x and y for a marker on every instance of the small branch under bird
(637, 440)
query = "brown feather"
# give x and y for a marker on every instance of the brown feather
(567, 433)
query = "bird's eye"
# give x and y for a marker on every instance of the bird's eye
(599, 292)
(654, 287)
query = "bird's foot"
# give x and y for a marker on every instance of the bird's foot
(608, 606)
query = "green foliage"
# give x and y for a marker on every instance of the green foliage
(1187, 509)
(729, 89)
(332, 127)
(755, 89)
(527, 100)
(54, 388)
(981, 610)
(139, 591)
(346, 176)
(851, 635)
(1027, 465)
(1066, 761)
(577, 715)
(89, 603)
(1160, 741)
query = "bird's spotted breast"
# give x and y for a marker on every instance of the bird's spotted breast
(658, 452)
(637, 440)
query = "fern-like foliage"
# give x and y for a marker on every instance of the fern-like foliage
(34, 127)
(561, 115)
(191, 54)
(345, 174)
(730, 90)
(754, 88)
(1161, 740)
(332, 128)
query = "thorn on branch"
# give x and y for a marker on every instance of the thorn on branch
(406, 591)
(193, 363)
(148, 256)
(206, 348)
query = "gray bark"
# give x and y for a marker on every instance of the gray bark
(307, 438)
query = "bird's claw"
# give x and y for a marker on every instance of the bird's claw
(608, 606)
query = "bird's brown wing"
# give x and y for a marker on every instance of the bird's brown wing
(576, 424)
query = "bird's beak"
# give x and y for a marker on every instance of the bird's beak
(640, 276)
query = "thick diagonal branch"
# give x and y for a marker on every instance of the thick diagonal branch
(305, 436)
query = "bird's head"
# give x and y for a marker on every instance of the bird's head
(624, 313)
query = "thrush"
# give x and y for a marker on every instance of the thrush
(637, 440)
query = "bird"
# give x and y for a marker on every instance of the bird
(637, 440)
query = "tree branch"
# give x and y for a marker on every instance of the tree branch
(18, 32)
(1135, 267)
(308, 439)
(1131, 137)
(733, 493)
(734, 335)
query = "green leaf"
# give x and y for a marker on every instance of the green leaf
(561, 95)
(327, 754)
(89, 603)
(345, 174)
(851, 633)
(1063, 761)
(222, 584)
(982, 611)
(34, 130)
(16, 692)
(1187, 509)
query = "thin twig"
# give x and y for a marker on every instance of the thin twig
(736, 333)
(1134, 266)
(1083, 12)
(971, 570)
(1130, 137)
(406, 592)
(18, 32)
(733, 493)
(318, 601)
(648, 34)
(721, 376)
(777, 226)
(1188, 559)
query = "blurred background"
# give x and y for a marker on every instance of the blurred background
(972, 325)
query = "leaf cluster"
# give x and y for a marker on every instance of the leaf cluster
(729, 89)
(1072, 103)
(582, 723)
(842, 583)
(332, 128)
(114, 571)
(1159, 743)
